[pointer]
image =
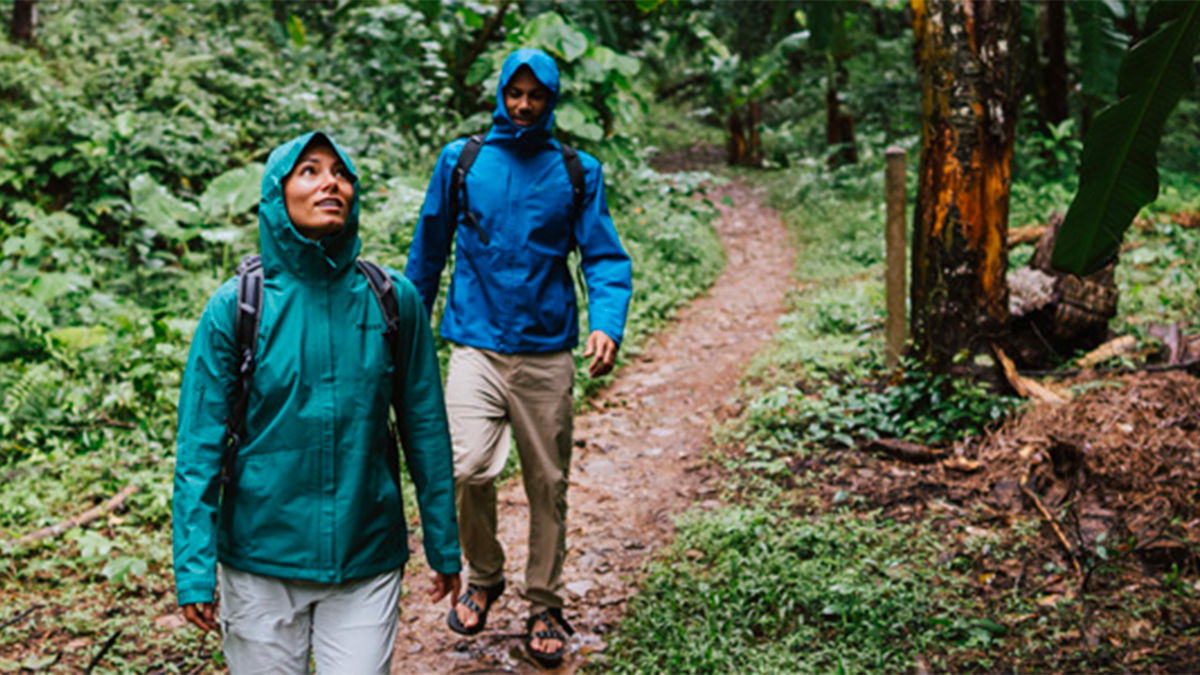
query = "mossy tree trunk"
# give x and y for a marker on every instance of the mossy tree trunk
(966, 57)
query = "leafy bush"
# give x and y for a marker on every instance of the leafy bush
(921, 407)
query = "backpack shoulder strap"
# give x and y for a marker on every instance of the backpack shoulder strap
(459, 203)
(575, 172)
(245, 332)
(385, 294)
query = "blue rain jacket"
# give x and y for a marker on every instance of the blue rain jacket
(515, 294)
(311, 494)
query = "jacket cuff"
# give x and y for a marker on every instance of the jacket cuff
(444, 565)
(191, 596)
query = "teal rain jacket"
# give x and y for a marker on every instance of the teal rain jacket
(311, 495)
(514, 294)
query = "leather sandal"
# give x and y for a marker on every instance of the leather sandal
(466, 599)
(553, 619)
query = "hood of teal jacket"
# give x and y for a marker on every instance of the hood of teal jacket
(281, 244)
(546, 71)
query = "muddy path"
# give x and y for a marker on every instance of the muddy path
(638, 459)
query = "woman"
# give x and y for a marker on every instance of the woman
(307, 523)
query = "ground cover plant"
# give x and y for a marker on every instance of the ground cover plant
(788, 575)
(129, 171)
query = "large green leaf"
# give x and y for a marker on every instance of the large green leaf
(1118, 174)
(160, 209)
(233, 192)
(1101, 46)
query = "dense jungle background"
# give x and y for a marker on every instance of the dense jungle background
(1018, 493)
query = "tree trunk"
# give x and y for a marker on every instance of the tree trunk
(1053, 84)
(839, 124)
(735, 146)
(754, 154)
(966, 57)
(744, 145)
(24, 21)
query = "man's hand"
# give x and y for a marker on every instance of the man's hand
(201, 614)
(604, 349)
(443, 585)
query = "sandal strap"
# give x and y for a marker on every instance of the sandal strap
(553, 618)
(489, 592)
(467, 601)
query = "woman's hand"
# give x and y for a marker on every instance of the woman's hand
(201, 614)
(443, 585)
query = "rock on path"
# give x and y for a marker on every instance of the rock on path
(638, 459)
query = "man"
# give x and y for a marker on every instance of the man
(512, 318)
(304, 510)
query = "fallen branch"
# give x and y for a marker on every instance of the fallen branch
(103, 650)
(1025, 235)
(1148, 368)
(20, 616)
(1062, 537)
(904, 451)
(81, 519)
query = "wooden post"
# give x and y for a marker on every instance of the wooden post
(896, 293)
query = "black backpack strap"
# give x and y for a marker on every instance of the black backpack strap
(245, 332)
(578, 186)
(575, 172)
(385, 294)
(459, 203)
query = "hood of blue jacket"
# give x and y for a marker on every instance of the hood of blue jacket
(546, 71)
(281, 244)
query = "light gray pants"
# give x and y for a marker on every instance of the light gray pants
(269, 624)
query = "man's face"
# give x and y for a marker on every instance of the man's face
(318, 192)
(525, 98)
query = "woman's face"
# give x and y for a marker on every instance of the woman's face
(318, 192)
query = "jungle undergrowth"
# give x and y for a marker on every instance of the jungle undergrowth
(783, 578)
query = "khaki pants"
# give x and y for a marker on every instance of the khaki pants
(270, 624)
(486, 394)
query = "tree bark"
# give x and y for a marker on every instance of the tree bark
(24, 21)
(1053, 100)
(754, 153)
(966, 57)
(744, 145)
(735, 146)
(839, 124)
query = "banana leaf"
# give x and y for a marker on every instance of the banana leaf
(1101, 46)
(1118, 172)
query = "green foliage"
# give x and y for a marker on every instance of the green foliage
(755, 590)
(921, 407)
(1102, 45)
(1118, 171)
(130, 162)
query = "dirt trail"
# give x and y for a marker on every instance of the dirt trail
(638, 459)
